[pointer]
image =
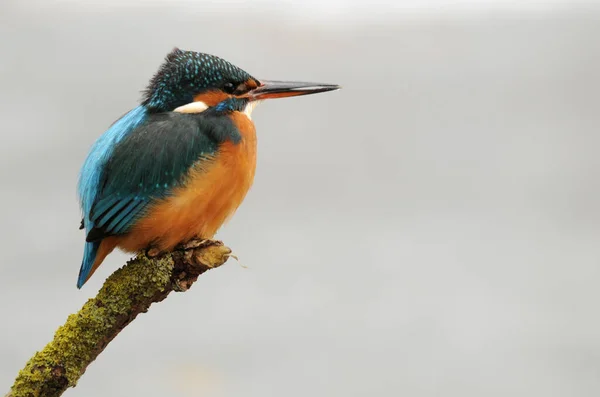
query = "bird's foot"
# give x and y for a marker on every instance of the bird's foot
(153, 252)
(197, 243)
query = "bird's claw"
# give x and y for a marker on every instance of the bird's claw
(197, 243)
(153, 252)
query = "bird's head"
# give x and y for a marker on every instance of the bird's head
(191, 82)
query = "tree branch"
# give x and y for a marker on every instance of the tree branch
(126, 293)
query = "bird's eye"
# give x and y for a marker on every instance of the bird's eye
(229, 88)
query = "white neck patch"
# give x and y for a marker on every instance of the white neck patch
(192, 107)
(199, 107)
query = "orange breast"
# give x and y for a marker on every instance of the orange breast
(211, 194)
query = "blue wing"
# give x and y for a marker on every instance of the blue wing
(149, 160)
(149, 163)
(92, 174)
(93, 167)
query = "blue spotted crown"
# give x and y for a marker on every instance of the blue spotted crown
(184, 74)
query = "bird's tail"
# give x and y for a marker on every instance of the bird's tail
(89, 257)
(93, 255)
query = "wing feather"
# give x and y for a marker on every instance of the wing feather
(149, 163)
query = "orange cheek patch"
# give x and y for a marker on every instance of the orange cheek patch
(211, 98)
(250, 84)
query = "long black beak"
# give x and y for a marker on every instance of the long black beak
(281, 89)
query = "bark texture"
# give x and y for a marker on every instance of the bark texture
(126, 293)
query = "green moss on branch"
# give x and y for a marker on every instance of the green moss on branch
(126, 293)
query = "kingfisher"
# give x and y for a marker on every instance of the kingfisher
(176, 167)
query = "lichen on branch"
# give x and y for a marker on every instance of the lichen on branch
(126, 293)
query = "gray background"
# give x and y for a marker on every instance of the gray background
(432, 229)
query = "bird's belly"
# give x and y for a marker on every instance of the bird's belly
(211, 194)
